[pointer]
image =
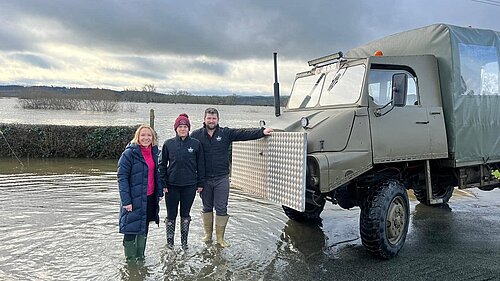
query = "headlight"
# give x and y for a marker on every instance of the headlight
(304, 122)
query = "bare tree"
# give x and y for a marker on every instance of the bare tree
(149, 88)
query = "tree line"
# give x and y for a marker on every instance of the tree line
(63, 95)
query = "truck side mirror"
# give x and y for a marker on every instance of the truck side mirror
(399, 88)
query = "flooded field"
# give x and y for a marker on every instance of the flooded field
(59, 222)
(233, 116)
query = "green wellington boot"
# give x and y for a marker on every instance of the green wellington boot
(141, 246)
(130, 248)
(208, 224)
(220, 229)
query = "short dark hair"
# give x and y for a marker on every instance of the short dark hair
(211, 110)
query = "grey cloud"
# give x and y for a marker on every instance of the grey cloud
(10, 40)
(151, 64)
(235, 29)
(166, 66)
(34, 60)
(246, 28)
(136, 72)
(218, 68)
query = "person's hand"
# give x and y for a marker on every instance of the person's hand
(165, 190)
(267, 131)
(199, 189)
(128, 207)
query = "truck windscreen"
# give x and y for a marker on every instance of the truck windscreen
(332, 87)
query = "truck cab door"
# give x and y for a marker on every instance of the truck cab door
(399, 126)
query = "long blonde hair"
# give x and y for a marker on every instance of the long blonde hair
(135, 140)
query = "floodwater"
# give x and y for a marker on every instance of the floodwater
(59, 221)
(165, 114)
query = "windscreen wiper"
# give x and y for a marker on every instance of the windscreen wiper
(308, 97)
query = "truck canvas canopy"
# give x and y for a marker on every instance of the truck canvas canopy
(469, 67)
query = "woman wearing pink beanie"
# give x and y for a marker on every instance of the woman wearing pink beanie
(182, 172)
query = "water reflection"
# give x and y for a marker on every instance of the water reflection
(57, 165)
(207, 263)
(426, 220)
(134, 272)
(307, 239)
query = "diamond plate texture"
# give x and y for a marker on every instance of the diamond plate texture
(272, 168)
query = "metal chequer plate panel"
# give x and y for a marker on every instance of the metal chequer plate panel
(272, 168)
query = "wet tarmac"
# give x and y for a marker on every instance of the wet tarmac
(457, 241)
(60, 223)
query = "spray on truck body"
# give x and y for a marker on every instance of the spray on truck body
(416, 110)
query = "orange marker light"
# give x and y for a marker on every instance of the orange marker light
(378, 53)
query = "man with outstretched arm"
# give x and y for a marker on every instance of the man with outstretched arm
(215, 141)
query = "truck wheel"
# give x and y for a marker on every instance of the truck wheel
(311, 213)
(443, 192)
(384, 219)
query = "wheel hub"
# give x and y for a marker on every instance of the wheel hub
(396, 219)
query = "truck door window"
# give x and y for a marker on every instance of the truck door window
(380, 86)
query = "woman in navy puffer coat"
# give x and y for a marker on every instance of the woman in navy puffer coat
(140, 192)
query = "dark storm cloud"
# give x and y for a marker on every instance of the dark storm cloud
(220, 30)
(241, 29)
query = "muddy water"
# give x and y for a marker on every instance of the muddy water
(59, 222)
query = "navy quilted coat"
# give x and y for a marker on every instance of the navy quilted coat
(133, 185)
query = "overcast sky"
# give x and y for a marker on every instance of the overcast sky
(205, 46)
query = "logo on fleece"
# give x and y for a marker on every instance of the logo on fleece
(190, 150)
(218, 138)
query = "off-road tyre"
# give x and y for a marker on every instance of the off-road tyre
(384, 219)
(443, 192)
(311, 214)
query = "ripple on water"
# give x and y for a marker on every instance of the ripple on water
(64, 226)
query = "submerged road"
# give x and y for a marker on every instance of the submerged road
(457, 241)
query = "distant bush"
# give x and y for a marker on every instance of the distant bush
(92, 101)
(129, 107)
(49, 141)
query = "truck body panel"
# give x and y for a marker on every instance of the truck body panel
(468, 65)
(415, 131)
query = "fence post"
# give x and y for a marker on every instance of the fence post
(152, 118)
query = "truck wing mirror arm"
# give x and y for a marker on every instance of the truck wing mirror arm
(378, 111)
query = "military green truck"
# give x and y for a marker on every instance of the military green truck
(416, 110)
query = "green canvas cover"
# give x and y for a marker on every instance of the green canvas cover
(468, 61)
